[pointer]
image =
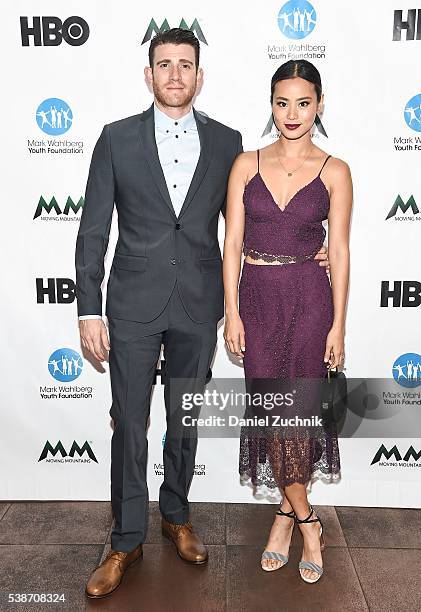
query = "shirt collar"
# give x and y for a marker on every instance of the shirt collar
(163, 122)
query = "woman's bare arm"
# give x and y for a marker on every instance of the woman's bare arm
(338, 250)
(233, 244)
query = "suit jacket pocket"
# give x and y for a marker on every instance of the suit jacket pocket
(210, 265)
(134, 263)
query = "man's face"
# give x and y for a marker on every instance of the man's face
(173, 77)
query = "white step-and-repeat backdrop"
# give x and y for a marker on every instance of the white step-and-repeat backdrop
(68, 69)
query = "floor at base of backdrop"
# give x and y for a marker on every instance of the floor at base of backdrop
(372, 560)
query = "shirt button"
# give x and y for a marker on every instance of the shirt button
(176, 123)
(168, 131)
(185, 131)
(177, 226)
(176, 161)
(176, 135)
(175, 186)
(173, 262)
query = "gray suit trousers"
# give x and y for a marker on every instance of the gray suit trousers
(135, 348)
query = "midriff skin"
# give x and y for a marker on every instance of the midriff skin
(261, 262)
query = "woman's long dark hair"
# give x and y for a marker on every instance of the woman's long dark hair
(297, 68)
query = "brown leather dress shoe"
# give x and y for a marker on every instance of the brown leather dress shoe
(188, 544)
(107, 576)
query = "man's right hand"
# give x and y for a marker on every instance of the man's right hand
(94, 337)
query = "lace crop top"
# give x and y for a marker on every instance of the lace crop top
(290, 235)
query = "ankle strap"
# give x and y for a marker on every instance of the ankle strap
(308, 519)
(289, 514)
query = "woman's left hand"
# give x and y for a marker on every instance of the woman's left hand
(334, 353)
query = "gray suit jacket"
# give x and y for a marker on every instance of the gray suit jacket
(155, 248)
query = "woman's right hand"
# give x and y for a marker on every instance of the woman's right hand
(234, 334)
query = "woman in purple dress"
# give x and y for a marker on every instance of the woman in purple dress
(290, 321)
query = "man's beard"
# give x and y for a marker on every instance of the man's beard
(182, 98)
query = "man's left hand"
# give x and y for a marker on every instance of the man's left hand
(323, 258)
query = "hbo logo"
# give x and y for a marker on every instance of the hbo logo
(50, 31)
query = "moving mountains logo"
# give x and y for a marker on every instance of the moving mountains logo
(395, 458)
(400, 207)
(153, 29)
(58, 453)
(44, 209)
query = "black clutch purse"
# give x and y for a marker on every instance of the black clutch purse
(334, 400)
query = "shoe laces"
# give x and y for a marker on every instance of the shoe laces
(116, 557)
(179, 527)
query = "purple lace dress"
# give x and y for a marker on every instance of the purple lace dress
(287, 312)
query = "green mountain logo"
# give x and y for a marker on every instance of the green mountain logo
(43, 205)
(153, 29)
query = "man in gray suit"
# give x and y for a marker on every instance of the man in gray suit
(166, 171)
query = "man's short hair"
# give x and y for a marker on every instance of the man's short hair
(175, 36)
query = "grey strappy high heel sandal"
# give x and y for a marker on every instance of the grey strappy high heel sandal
(309, 564)
(276, 556)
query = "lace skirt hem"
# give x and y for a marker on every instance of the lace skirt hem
(272, 493)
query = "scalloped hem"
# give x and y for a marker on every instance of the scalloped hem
(273, 494)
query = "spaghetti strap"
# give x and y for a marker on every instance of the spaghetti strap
(324, 164)
(258, 160)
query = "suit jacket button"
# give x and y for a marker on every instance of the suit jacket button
(173, 262)
(178, 226)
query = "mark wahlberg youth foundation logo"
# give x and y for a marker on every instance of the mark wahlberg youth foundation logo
(65, 365)
(54, 117)
(402, 398)
(199, 468)
(400, 209)
(393, 457)
(58, 453)
(65, 392)
(406, 370)
(296, 20)
(53, 212)
(153, 29)
(411, 114)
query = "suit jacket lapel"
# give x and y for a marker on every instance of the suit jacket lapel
(147, 133)
(205, 137)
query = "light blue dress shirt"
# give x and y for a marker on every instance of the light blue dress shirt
(178, 145)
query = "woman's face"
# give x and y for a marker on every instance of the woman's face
(294, 107)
